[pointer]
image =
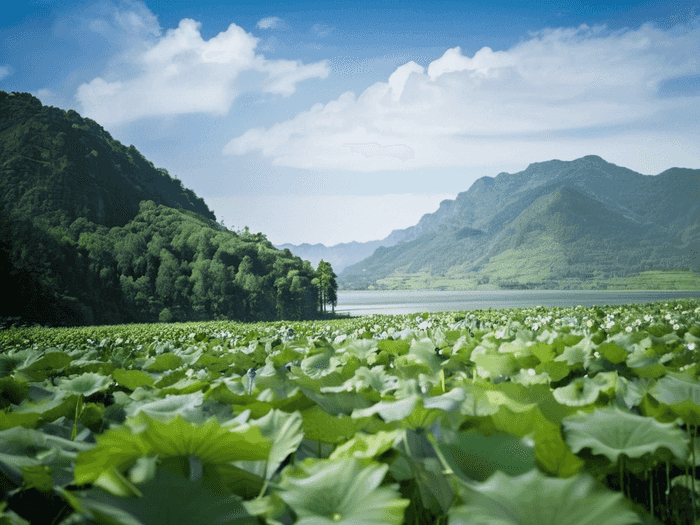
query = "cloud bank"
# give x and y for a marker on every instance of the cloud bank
(180, 72)
(584, 89)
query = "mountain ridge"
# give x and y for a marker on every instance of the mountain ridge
(91, 232)
(658, 215)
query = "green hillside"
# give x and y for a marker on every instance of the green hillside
(92, 233)
(580, 224)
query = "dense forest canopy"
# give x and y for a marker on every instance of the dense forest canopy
(92, 233)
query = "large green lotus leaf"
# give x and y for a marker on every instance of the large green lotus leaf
(185, 386)
(472, 455)
(551, 452)
(688, 411)
(613, 352)
(424, 351)
(534, 499)
(339, 403)
(187, 406)
(321, 364)
(164, 362)
(389, 410)
(50, 409)
(612, 432)
(327, 492)
(367, 446)
(165, 499)
(364, 378)
(318, 425)
(80, 366)
(37, 367)
(580, 392)
(85, 385)
(394, 346)
(476, 402)
(544, 352)
(406, 413)
(31, 448)
(541, 395)
(448, 402)
(675, 388)
(143, 436)
(497, 364)
(26, 420)
(579, 354)
(12, 391)
(500, 399)
(364, 349)
(556, 370)
(530, 377)
(632, 391)
(284, 430)
(410, 367)
(277, 381)
(644, 362)
(132, 379)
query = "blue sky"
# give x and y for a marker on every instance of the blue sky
(319, 122)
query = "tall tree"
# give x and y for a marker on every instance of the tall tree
(327, 285)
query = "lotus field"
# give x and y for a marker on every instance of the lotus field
(523, 416)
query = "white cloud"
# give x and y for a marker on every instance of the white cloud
(463, 110)
(5, 72)
(180, 72)
(328, 219)
(271, 22)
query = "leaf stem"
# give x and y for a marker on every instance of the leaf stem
(622, 476)
(692, 470)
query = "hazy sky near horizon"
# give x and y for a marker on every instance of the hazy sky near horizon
(317, 122)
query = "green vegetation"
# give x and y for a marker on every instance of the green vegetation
(485, 280)
(556, 225)
(92, 233)
(534, 415)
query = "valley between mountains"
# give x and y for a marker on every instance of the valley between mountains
(584, 223)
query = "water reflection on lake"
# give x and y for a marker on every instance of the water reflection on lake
(392, 302)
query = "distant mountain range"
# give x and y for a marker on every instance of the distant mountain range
(555, 224)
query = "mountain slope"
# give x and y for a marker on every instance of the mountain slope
(92, 233)
(555, 223)
(56, 161)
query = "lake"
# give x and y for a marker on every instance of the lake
(391, 302)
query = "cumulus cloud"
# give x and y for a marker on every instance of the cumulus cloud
(271, 22)
(462, 109)
(180, 72)
(5, 72)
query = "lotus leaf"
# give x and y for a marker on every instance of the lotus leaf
(143, 436)
(85, 384)
(166, 499)
(504, 500)
(613, 432)
(581, 391)
(284, 431)
(132, 379)
(366, 445)
(187, 406)
(341, 491)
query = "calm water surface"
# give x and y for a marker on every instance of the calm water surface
(393, 302)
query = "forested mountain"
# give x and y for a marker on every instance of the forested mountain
(555, 224)
(92, 232)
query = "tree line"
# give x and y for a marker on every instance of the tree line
(164, 265)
